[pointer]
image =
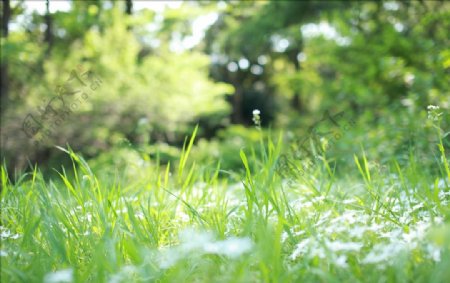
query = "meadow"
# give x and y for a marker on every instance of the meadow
(190, 225)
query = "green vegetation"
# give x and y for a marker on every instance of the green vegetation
(367, 225)
(242, 141)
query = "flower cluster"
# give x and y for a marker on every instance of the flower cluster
(340, 236)
(256, 118)
(433, 113)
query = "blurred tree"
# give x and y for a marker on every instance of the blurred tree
(167, 91)
(262, 32)
(362, 53)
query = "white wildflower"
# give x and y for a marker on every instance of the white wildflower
(199, 243)
(350, 216)
(6, 234)
(383, 253)
(139, 215)
(181, 216)
(433, 112)
(417, 206)
(122, 210)
(318, 199)
(343, 246)
(194, 240)
(341, 261)
(232, 247)
(376, 227)
(443, 195)
(65, 275)
(125, 273)
(310, 248)
(318, 251)
(301, 248)
(299, 233)
(335, 228)
(442, 185)
(438, 220)
(284, 236)
(409, 79)
(349, 201)
(257, 118)
(392, 234)
(357, 231)
(434, 252)
(169, 257)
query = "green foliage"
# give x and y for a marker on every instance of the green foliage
(164, 91)
(223, 149)
(159, 173)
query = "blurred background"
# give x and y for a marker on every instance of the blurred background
(125, 82)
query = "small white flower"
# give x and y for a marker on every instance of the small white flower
(126, 272)
(6, 234)
(256, 118)
(139, 215)
(433, 113)
(301, 248)
(200, 243)
(89, 217)
(344, 246)
(383, 253)
(434, 252)
(232, 247)
(349, 201)
(341, 261)
(65, 275)
(409, 79)
(357, 231)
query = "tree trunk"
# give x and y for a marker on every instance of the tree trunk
(4, 64)
(48, 38)
(129, 7)
(236, 102)
(296, 101)
(129, 11)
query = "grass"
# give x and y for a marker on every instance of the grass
(367, 225)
